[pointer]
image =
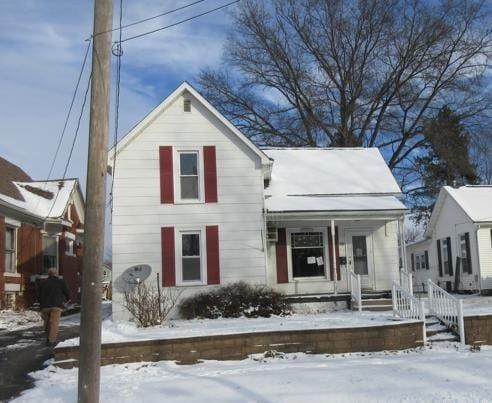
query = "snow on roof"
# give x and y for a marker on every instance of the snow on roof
(332, 203)
(46, 199)
(330, 171)
(476, 201)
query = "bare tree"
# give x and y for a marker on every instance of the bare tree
(353, 73)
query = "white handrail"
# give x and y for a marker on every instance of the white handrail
(406, 306)
(356, 290)
(447, 308)
(406, 280)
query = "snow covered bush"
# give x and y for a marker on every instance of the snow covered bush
(235, 300)
(148, 304)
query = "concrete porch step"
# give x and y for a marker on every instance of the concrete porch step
(442, 337)
(378, 301)
(377, 308)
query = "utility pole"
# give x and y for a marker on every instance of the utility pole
(90, 321)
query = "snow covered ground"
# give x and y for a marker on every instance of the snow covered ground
(17, 320)
(125, 331)
(446, 373)
(476, 305)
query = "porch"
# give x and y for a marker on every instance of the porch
(314, 254)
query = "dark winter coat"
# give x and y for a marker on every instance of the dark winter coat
(53, 292)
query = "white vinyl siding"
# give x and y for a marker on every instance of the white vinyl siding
(138, 214)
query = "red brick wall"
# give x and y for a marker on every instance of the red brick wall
(2, 257)
(29, 259)
(70, 267)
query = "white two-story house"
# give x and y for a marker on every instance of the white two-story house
(197, 202)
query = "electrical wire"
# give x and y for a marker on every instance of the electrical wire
(65, 125)
(149, 18)
(73, 142)
(179, 22)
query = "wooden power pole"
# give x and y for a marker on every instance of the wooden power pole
(90, 321)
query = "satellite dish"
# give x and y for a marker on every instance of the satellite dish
(136, 274)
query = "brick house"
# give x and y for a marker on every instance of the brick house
(41, 226)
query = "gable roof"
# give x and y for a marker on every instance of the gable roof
(185, 87)
(43, 199)
(331, 179)
(330, 171)
(474, 200)
(9, 173)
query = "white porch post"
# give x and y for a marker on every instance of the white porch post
(334, 256)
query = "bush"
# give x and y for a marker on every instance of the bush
(233, 301)
(148, 304)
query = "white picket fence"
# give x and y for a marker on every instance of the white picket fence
(356, 290)
(406, 280)
(406, 306)
(447, 308)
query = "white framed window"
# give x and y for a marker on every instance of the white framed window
(188, 176)
(50, 253)
(307, 253)
(10, 250)
(423, 262)
(417, 262)
(445, 256)
(190, 258)
(463, 251)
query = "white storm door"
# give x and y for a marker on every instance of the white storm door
(359, 257)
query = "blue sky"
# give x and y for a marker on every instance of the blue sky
(42, 47)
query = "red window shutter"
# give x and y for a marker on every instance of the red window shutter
(210, 171)
(213, 261)
(166, 172)
(281, 252)
(337, 253)
(168, 257)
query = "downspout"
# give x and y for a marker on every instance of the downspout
(334, 257)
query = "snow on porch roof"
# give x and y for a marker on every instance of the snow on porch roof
(330, 171)
(44, 199)
(291, 204)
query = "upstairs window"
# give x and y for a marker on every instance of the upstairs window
(188, 175)
(10, 260)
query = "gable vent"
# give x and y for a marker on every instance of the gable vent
(187, 105)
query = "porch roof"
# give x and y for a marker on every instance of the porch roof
(356, 204)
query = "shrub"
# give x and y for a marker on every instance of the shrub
(233, 301)
(148, 304)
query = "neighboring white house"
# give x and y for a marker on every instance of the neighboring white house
(201, 205)
(456, 251)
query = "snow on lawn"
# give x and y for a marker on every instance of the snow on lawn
(445, 373)
(126, 331)
(16, 320)
(476, 305)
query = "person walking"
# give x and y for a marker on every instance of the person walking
(53, 292)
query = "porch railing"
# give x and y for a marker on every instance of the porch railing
(447, 308)
(356, 290)
(406, 306)
(406, 280)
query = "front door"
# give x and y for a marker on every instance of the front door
(359, 257)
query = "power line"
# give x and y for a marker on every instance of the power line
(73, 142)
(179, 22)
(118, 52)
(150, 18)
(65, 125)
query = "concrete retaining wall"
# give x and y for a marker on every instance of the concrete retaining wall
(238, 346)
(478, 329)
